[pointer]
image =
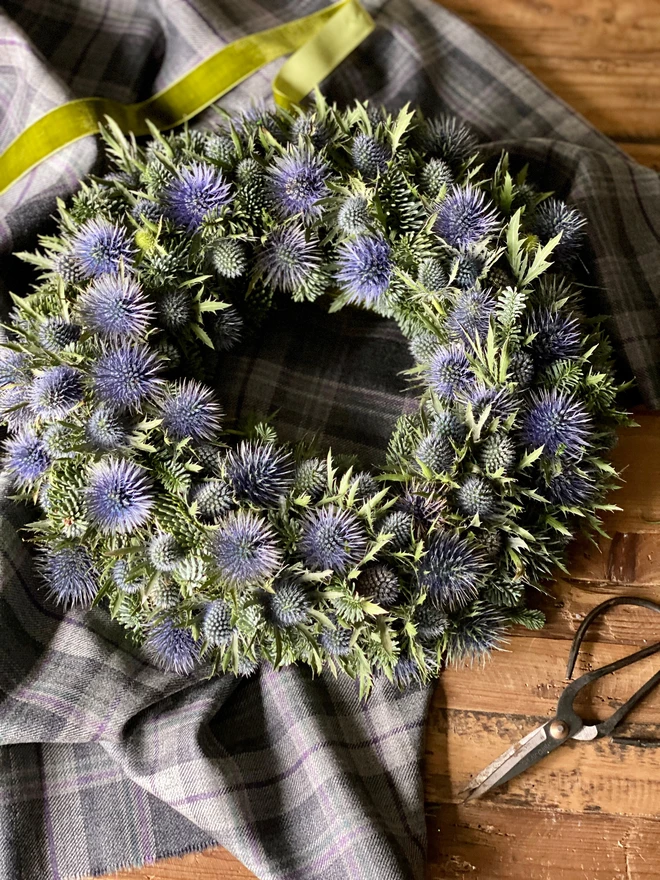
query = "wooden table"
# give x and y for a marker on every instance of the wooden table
(589, 811)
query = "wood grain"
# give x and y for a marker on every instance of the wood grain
(588, 812)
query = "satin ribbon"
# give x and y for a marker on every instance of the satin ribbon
(317, 43)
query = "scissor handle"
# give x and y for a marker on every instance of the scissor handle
(565, 709)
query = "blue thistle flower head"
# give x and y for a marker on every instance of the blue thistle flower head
(245, 550)
(70, 575)
(217, 628)
(476, 496)
(14, 368)
(173, 647)
(332, 539)
(68, 267)
(476, 634)
(188, 409)
(470, 317)
(407, 673)
(364, 268)
(337, 641)
(227, 329)
(101, 248)
(126, 375)
(288, 258)
(198, 193)
(436, 452)
(497, 453)
(500, 401)
(106, 429)
(213, 499)
(229, 258)
(369, 155)
(446, 423)
(119, 495)
(56, 392)
(289, 605)
(452, 571)
(432, 274)
(468, 268)
(380, 583)
(15, 411)
(522, 368)
(297, 184)
(556, 336)
(175, 309)
(464, 218)
(552, 217)
(260, 472)
(115, 307)
(26, 457)
(446, 137)
(430, 622)
(309, 127)
(450, 372)
(311, 478)
(571, 487)
(58, 439)
(353, 215)
(147, 209)
(125, 580)
(434, 175)
(399, 524)
(558, 422)
(164, 552)
(55, 334)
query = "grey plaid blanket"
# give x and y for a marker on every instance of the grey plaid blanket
(106, 761)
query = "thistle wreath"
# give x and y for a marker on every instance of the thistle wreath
(237, 553)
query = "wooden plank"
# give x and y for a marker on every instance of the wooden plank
(487, 841)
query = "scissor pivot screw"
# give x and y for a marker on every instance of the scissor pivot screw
(558, 729)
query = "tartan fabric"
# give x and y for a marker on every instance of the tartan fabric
(104, 760)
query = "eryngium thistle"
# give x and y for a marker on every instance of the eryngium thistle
(571, 487)
(227, 329)
(228, 257)
(288, 258)
(245, 549)
(188, 409)
(477, 497)
(432, 274)
(364, 268)
(476, 634)
(558, 422)
(450, 373)
(167, 594)
(70, 575)
(380, 583)
(127, 375)
(367, 485)
(424, 346)
(106, 429)
(59, 439)
(289, 605)
(370, 156)
(119, 495)
(445, 137)
(436, 452)
(468, 268)
(56, 333)
(220, 148)
(164, 552)
(173, 647)
(56, 392)
(498, 400)
(470, 317)
(521, 368)
(332, 539)
(14, 367)
(175, 309)
(213, 499)
(125, 581)
(260, 472)
(407, 673)
(464, 218)
(308, 127)
(497, 453)
(101, 247)
(115, 307)
(353, 215)
(311, 478)
(216, 624)
(446, 423)
(147, 209)
(68, 267)
(26, 457)
(552, 217)
(452, 571)
(399, 525)
(337, 641)
(197, 194)
(434, 175)
(556, 336)
(430, 622)
(15, 411)
(297, 184)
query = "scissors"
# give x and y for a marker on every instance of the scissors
(567, 724)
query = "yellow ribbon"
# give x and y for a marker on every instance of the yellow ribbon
(319, 42)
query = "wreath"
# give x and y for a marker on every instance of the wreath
(233, 553)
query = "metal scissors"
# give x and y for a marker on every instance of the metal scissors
(567, 724)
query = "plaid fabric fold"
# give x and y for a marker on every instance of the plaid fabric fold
(106, 761)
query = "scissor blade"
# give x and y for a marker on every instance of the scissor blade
(519, 757)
